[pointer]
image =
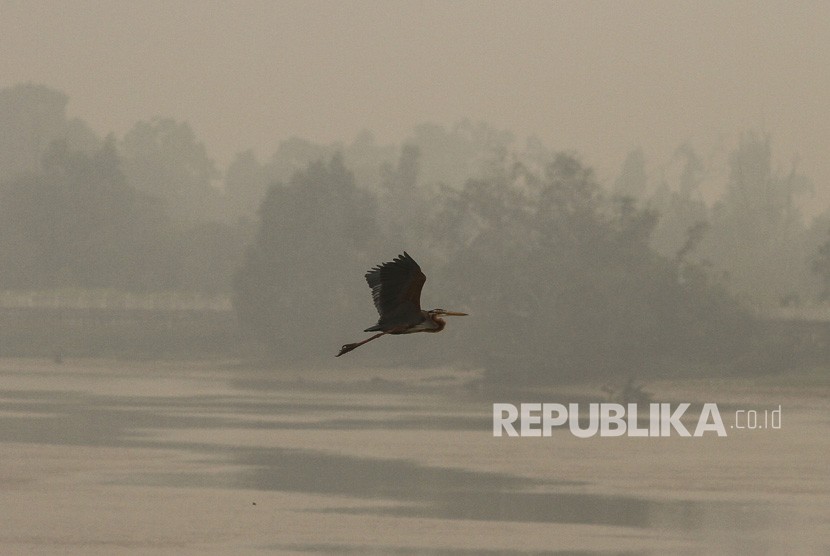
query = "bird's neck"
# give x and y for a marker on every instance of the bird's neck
(437, 321)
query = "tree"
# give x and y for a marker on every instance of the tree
(163, 158)
(757, 229)
(290, 291)
(32, 117)
(246, 181)
(78, 223)
(405, 202)
(207, 255)
(454, 155)
(569, 284)
(632, 180)
(680, 205)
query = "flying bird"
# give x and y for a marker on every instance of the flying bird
(396, 291)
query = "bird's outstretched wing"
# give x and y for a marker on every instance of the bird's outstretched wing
(396, 291)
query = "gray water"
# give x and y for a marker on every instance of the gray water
(382, 455)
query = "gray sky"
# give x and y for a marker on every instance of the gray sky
(596, 77)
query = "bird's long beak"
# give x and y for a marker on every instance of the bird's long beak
(455, 314)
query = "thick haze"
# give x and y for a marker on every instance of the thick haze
(600, 78)
(614, 193)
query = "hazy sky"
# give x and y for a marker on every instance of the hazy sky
(596, 77)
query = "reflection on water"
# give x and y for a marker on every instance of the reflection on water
(441, 493)
(401, 487)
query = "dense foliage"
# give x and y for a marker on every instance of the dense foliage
(562, 276)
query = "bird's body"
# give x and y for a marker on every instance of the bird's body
(396, 292)
(428, 322)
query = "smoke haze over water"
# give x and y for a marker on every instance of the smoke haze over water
(599, 77)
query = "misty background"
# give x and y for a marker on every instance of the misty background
(608, 191)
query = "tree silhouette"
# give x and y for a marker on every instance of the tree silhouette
(78, 223)
(568, 283)
(313, 231)
(32, 117)
(163, 158)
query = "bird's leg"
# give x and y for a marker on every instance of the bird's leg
(349, 347)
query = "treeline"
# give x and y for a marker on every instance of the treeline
(558, 277)
(751, 230)
(136, 214)
(563, 276)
